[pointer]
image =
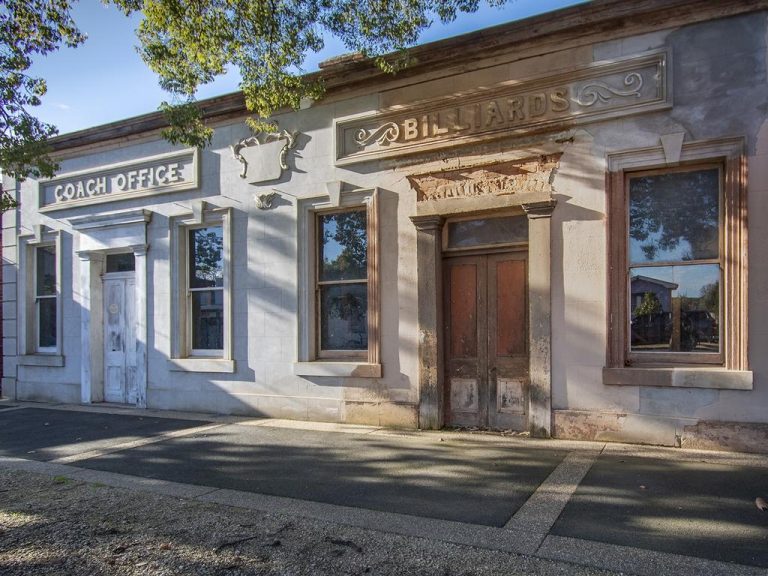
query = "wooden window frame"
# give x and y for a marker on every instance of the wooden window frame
(729, 154)
(31, 354)
(183, 356)
(311, 360)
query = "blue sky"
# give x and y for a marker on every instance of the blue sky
(105, 80)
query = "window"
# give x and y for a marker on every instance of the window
(46, 297)
(678, 289)
(674, 264)
(205, 289)
(200, 303)
(342, 283)
(339, 302)
(39, 287)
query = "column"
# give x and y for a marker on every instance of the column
(540, 314)
(140, 254)
(428, 259)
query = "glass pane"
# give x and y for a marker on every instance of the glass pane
(206, 262)
(46, 271)
(470, 233)
(343, 246)
(674, 217)
(46, 322)
(121, 263)
(344, 317)
(675, 308)
(208, 320)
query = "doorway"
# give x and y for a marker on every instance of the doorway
(120, 383)
(486, 340)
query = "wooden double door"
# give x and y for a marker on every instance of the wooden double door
(486, 341)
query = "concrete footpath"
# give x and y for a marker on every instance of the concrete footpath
(612, 507)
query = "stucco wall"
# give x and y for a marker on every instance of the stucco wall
(720, 90)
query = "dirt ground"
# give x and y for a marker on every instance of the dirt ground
(59, 526)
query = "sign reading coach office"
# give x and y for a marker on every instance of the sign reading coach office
(149, 176)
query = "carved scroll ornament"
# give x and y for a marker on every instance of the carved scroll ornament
(261, 139)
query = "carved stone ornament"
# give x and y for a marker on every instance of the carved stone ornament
(527, 176)
(264, 201)
(264, 156)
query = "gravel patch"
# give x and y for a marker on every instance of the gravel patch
(60, 526)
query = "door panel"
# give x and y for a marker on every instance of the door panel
(119, 339)
(485, 299)
(507, 342)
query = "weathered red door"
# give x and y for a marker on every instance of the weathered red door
(486, 341)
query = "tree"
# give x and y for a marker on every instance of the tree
(188, 43)
(28, 28)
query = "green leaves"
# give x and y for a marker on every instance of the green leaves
(28, 28)
(188, 43)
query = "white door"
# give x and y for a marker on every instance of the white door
(119, 338)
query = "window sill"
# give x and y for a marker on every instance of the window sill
(41, 360)
(699, 377)
(201, 365)
(339, 369)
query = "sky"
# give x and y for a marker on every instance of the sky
(105, 80)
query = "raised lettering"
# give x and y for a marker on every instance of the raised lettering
(120, 181)
(458, 125)
(410, 129)
(69, 191)
(174, 175)
(143, 180)
(494, 115)
(437, 129)
(80, 189)
(559, 99)
(160, 174)
(57, 193)
(516, 111)
(537, 104)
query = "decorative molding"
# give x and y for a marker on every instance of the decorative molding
(385, 134)
(541, 209)
(110, 219)
(150, 176)
(264, 201)
(264, 167)
(601, 90)
(198, 209)
(673, 147)
(593, 92)
(428, 223)
(527, 176)
(334, 192)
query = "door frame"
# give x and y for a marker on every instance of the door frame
(431, 339)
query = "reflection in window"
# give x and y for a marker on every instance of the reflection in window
(206, 288)
(674, 220)
(487, 232)
(675, 308)
(674, 217)
(342, 278)
(45, 297)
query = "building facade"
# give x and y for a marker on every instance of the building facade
(539, 227)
